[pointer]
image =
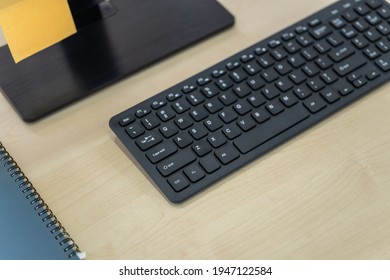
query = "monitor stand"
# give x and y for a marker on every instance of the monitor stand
(128, 36)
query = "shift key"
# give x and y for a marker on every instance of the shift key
(350, 64)
(176, 162)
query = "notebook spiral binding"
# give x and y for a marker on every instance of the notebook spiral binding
(42, 209)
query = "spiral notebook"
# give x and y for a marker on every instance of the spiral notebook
(28, 228)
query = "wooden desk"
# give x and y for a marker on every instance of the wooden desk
(323, 195)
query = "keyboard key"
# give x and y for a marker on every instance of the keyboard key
(350, 64)
(135, 130)
(304, 40)
(383, 62)
(210, 164)
(231, 131)
(242, 107)
(338, 22)
(183, 140)
(199, 114)
(195, 98)
(383, 46)
(176, 162)
(150, 122)
(213, 123)
(201, 148)
(296, 61)
(204, 80)
(256, 83)
(188, 88)
(384, 12)
(158, 104)
(210, 91)
(274, 107)
(269, 75)
(372, 74)
(224, 83)
(320, 32)
(256, 100)
(288, 99)
(168, 130)
(314, 22)
(362, 9)
(349, 15)
(335, 39)
(315, 84)
(314, 104)
(361, 25)
(173, 96)
(218, 73)
(238, 76)
(323, 62)
(194, 173)
(142, 112)
(227, 98)
(329, 77)
(246, 123)
(227, 154)
(310, 69)
(371, 52)
(348, 32)
(198, 132)
(161, 152)
(270, 129)
(184, 122)
(359, 82)
(261, 115)
(283, 68)
(146, 141)
(242, 90)
(213, 106)
(270, 92)
(292, 47)
(374, 4)
(278, 54)
(178, 182)
(341, 53)
(373, 18)
(360, 42)
(302, 91)
(181, 106)
(127, 120)
(252, 68)
(228, 115)
(297, 77)
(265, 61)
(330, 96)
(284, 84)
(217, 140)
(372, 35)
(344, 87)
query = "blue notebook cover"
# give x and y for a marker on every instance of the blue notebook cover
(28, 229)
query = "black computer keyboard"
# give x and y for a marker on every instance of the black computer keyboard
(193, 134)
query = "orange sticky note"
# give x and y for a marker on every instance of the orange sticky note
(5, 3)
(30, 26)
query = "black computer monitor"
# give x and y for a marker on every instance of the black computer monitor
(115, 38)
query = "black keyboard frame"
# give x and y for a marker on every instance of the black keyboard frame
(323, 15)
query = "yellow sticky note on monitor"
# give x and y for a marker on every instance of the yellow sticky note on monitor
(30, 26)
(5, 3)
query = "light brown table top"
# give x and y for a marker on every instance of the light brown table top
(323, 195)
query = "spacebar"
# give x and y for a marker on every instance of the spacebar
(264, 132)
